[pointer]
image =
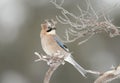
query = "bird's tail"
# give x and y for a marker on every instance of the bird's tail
(76, 65)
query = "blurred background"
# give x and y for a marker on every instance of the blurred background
(19, 38)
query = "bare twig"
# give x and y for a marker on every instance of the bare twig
(41, 57)
(108, 76)
(93, 72)
(85, 24)
(54, 62)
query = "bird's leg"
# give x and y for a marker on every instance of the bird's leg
(58, 57)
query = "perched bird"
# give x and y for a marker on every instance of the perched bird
(51, 44)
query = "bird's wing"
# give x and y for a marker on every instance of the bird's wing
(61, 44)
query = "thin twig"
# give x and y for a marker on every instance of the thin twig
(93, 72)
(54, 62)
(108, 76)
(85, 24)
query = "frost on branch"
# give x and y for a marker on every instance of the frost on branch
(86, 24)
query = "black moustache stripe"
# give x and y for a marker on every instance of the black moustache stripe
(50, 29)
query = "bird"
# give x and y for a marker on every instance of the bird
(51, 44)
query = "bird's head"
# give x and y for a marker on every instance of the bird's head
(49, 27)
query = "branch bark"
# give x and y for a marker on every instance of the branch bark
(50, 71)
(109, 76)
(54, 62)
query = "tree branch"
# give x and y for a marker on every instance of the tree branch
(85, 25)
(54, 62)
(109, 76)
(50, 71)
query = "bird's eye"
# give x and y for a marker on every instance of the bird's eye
(49, 27)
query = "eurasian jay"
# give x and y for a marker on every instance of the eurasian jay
(51, 44)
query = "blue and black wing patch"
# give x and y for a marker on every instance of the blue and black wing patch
(62, 45)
